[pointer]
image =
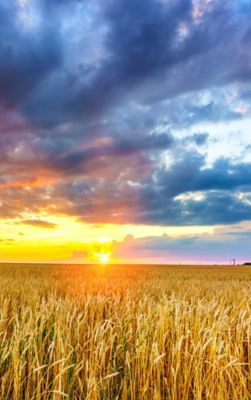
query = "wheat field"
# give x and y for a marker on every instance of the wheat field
(125, 332)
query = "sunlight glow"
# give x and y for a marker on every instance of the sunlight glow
(104, 240)
(103, 258)
(50, 238)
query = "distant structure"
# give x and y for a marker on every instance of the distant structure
(232, 261)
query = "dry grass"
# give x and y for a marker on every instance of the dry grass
(125, 333)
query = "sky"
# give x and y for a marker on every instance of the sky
(125, 129)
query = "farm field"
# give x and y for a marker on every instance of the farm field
(110, 332)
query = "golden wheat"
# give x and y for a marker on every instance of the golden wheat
(128, 332)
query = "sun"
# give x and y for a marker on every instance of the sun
(104, 258)
(100, 251)
(103, 239)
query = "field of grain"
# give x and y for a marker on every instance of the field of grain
(125, 332)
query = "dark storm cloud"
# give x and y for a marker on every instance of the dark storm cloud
(144, 39)
(93, 96)
(140, 44)
(145, 43)
(151, 50)
(100, 155)
(128, 194)
(219, 184)
(189, 174)
(25, 59)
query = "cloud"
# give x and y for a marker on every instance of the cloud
(138, 190)
(38, 223)
(165, 195)
(108, 111)
(200, 138)
(194, 249)
(7, 240)
(141, 55)
(109, 150)
(25, 58)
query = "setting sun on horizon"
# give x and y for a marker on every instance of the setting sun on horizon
(104, 258)
(50, 238)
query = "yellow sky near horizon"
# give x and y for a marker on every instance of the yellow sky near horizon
(26, 242)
